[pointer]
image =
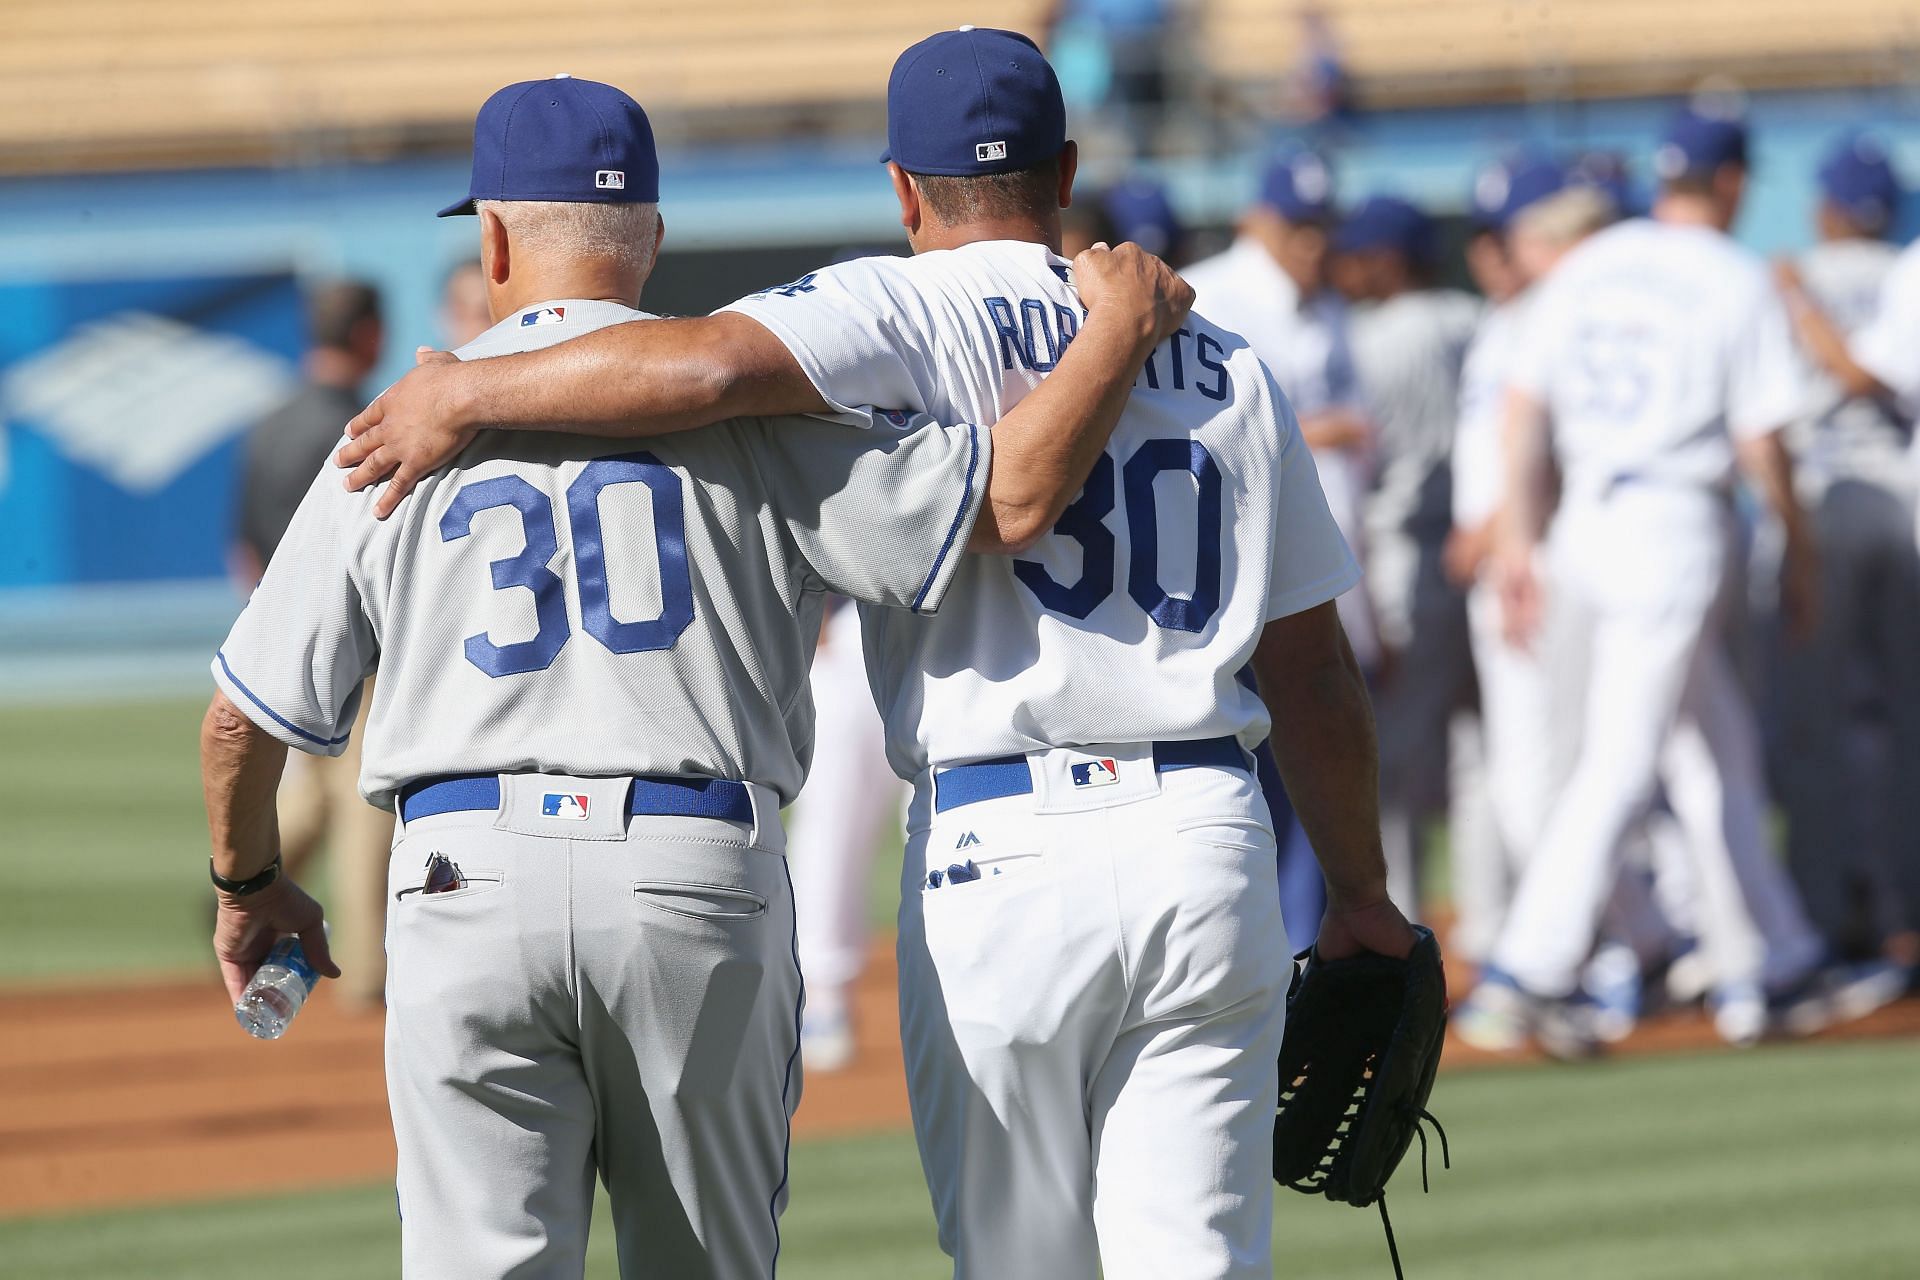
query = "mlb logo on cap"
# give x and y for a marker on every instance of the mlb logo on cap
(556, 804)
(1095, 773)
(610, 180)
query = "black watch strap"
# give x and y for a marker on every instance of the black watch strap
(252, 884)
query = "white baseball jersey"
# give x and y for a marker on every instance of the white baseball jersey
(1846, 435)
(1479, 467)
(1408, 351)
(1889, 347)
(1203, 521)
(1653, 347)
(573, 605)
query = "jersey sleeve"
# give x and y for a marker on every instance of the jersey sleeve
(881, 512)
(1888, 346)
(848, 331)
(1767, 385)
(1310, 560)
(300, 651)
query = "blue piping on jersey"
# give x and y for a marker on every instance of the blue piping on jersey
(786, 1082)
(953, 531)
(278, 719)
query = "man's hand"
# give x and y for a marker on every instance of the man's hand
(1347, 930)
(411, 428)
(246, 929)
(1522, 604)
(1466, 552)
(1130, 281)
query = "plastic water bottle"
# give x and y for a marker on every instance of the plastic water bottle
(278, 989)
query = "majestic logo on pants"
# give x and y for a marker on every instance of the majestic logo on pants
(557, 804)
(1095, 773)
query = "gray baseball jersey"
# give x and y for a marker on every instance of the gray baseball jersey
(566, 604)
(1409, 351)
(1847, 436)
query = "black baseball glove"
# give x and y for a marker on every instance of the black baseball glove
(1357, 1063)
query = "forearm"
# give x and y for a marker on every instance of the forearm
(1522, 516)
(1323, 743)
(640, 379)
(1826, 345)
(1769, 469)
(240, 769)
(1335, 429)
(1045, 447)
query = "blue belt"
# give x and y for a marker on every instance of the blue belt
(650, 797)
(1010, 776)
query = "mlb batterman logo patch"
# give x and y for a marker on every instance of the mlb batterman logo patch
(556, 804)
(1095, 773)
(543, 315)
(610, 179)
(985, 151)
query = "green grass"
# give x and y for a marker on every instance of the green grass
(1796, 1162)
(103, 860)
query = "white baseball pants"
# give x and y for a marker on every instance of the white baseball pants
(617, 996)
(1638, 575)
(1092, 1026)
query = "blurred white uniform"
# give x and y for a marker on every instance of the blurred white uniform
(1652, 346)
(1303, 342)
(1515, 712)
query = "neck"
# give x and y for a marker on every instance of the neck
(589, 281)
(1035, 229)
(1687, 209)
(332, 367)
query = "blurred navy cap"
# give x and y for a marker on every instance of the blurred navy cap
(1858, 177)
(1298, 185)
(1697, 144)
(1607, 173)
(1141, 212)
(1387, 222)
(564, 140)
(976, 100)
(1508, 185)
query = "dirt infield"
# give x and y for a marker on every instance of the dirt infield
(153, 1094)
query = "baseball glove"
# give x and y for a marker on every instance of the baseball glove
(1357, 1063)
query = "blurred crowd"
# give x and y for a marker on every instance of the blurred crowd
(1638, 518)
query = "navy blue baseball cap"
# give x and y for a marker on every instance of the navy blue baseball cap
(1298, 185)
(565, 140)
(1607, 173)
(1387, 222)
(1508, 185)
(1858, 177)
(1141, 212)
(1697, 144)
(977, 100)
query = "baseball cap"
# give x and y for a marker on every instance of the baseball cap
(1697, 144)
(1387, 222)
(973, 101)
(564, 140)
(1508, 185)
(1141, 212)
(1858, 177)
(1298, 185)
(1607, 173)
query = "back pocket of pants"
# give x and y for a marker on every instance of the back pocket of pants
(720, 903)
(480, 880)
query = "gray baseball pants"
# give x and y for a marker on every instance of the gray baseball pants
(608, 995)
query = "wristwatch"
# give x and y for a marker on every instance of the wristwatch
(252, 884)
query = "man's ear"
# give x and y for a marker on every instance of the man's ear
(659, 235)
(908, 195)
(495, 256)
(1069, 166)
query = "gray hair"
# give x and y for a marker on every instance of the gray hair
(1567, 217)
(626, 233)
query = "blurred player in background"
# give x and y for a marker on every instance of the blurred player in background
(850, 803)
(1515, 719)
(1662, 355)
(1271, 287)
(1142, 211)
(1850, 697)
(1409, 342)
(463, 304)
(319, 796)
